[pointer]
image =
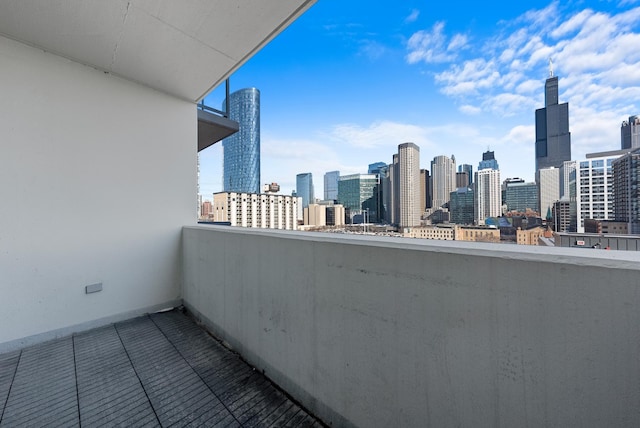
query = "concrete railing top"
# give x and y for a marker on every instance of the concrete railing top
(576, 256)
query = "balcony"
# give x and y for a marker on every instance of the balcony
(369, 331)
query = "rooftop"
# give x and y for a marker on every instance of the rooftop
(156, 370)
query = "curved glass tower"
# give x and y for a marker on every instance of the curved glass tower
(241, 167)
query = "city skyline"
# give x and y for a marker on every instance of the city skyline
(339, 93)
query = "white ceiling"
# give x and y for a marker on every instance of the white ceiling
(182, 47)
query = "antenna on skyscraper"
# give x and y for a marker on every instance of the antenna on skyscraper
(550, 67)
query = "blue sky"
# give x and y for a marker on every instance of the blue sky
(349, 81)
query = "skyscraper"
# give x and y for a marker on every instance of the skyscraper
(425, 189)
(553, 139)
(630, 133)
(357, 193)
(488, 161)
(594, 187)
(626, 190)
(469, 170)
(331, 185)
(304, 188)
(374, 168)
(443, 180)
(409, 185)
(488, 195)
(461, 205)
(241, 167)
(566, 169)
(548, 181)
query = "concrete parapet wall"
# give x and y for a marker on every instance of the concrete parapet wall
(378, 332)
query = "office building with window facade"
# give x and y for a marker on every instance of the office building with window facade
(304, 188)
(331, 185)
(521, 196)
(594, 187)
(626, 190)
(461, 205)
(357, 193)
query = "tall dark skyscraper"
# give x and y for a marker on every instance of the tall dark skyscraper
(553, 139)
(241, 151)
(630, 133)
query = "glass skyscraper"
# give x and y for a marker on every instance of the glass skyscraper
(357, 193)
(304, 188)
(331, 185)
(241, 168)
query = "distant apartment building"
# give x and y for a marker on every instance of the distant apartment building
(626, 190)
(271, 188)
(461, 206)
(567, 170)
(630, 133)
(334, 215)
(530, 236)
(441, 232)
(260, 210)
(562, 219)
(206, 209)
(357, 193)
(315, 215)
(409, 185)
(462, 179)
(548, 181)
(331, 185)
(443, 180)
(488, 196)
(477, 234)
(594, 187)
(321, 215)
(606, 227)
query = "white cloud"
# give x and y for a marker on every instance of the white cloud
(433, 47)
(470, 110)
(413, 16)
(573, 24)
(379, 134)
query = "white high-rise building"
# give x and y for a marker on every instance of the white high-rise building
(263, 210)
(487, 194)
(548, 180)
(565, 178)
(409, 185)
(443, 179)
(594, 187)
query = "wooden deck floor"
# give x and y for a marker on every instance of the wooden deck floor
(156, 370)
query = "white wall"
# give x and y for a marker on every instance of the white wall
(411, 333)
(97, 177)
